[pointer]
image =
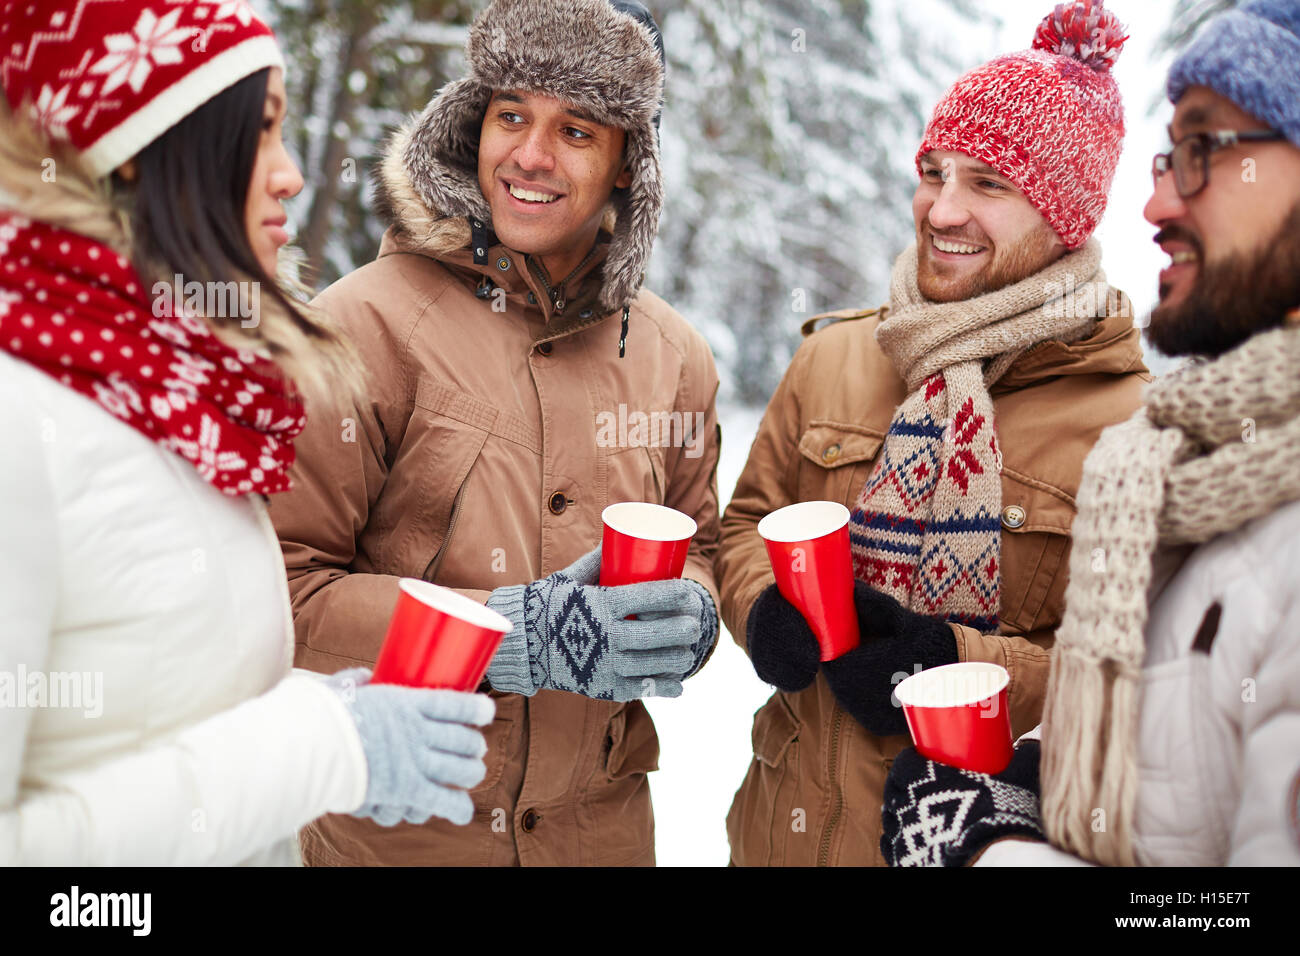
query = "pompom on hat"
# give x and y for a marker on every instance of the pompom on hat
(1249, 56)
(108, 77)
(1049, 118)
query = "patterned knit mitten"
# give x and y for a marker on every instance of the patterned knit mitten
(937, 815)
(573, 635)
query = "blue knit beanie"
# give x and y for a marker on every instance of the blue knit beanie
(1251, 56)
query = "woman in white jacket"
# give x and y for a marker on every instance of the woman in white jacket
(148, 713)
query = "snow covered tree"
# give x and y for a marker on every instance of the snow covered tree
(789, 137)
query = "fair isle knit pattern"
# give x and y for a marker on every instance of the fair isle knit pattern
(1050, 118)
(926, 528)
(1217, 444)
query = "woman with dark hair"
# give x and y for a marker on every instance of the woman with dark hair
(152, 380)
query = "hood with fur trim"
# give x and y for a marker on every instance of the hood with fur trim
(585, 52)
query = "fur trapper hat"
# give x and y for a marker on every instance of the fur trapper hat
(590, 53)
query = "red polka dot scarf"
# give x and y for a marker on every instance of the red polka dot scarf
(77, 311)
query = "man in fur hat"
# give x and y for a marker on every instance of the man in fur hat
(521, 381)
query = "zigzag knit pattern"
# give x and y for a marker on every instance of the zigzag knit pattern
(926, 529)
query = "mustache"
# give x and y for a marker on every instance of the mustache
(950, 235)
(1177, 233)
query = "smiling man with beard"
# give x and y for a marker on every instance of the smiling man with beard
(954, 423)
(1173, 709)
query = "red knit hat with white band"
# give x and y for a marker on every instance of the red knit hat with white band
(1050, 118)
(111, 76)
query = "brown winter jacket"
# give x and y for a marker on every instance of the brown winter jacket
(476, 463)
(813, 792)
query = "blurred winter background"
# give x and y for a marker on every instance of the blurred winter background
(788, 142)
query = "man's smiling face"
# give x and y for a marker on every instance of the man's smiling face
(975, 231)
(547, 169)
(1233, 246)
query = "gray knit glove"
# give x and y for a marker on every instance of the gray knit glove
(571, 634)
(421, 752)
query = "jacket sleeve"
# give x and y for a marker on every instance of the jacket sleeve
(215, 793)
(1266, 827)
(1027, 660)
(341, 616)
(766, 484)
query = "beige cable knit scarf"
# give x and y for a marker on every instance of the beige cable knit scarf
(926, 528)
(1216, 445)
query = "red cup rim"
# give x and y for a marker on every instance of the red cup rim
(640, 519)
(804, 521)
(953, 685)
(455, 604)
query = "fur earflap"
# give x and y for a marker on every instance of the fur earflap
(584, 52)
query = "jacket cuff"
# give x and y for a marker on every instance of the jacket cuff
(511, 670)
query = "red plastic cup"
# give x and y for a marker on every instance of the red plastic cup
(643, 542)
(438, 638)
(958, 715)
(808, 545)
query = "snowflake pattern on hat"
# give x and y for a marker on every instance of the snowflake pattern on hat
(109, 77)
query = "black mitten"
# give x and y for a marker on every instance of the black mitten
(894, 641)
(782, 646)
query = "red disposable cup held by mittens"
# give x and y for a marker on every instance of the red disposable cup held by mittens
(438, 638)
(958, 715)
(643, 542)
(808, 545)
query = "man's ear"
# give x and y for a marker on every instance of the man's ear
(128, 171)
(624, 177)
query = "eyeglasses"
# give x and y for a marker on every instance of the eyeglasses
(1190, 158)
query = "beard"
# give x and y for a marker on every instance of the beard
(940, 282)
(1247, 293)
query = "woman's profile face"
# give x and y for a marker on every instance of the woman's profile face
(275, 179)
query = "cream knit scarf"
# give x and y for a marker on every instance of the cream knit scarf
(1216, 444)
(926, 528)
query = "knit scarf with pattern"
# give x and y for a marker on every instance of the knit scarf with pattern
(1215, 445)
(927, 525)
(77, 311)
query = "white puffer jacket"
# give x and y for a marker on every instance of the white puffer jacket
(1219, 744)
(122, 570)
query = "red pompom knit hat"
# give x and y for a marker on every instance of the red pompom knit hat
(1050, 118)
(111, 76)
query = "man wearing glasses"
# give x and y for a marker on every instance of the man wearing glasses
(1171, 732)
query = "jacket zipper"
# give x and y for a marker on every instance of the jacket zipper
(837, 802)
(558, 302)
(432, 570)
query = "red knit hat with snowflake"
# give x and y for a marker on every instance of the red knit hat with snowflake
(1050, 118)
(111, 76)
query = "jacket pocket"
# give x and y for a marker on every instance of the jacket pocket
(632, 741)
(444, 438)
(502, 740)
(835, 459)
(635, 474)
(764, 826)
(1036, 523)
(775, 729)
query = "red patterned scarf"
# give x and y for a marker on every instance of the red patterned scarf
(78, 311)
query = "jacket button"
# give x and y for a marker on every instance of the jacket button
(532, 299)
(831, 453)
(546, 348)
(1013, 516)
(558, 503)
(503, 264)
(529, 822)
